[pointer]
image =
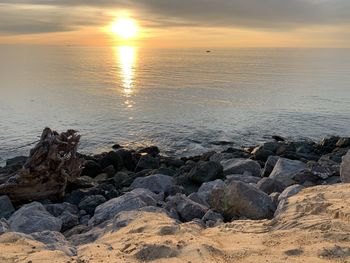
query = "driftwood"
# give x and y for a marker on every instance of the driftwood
(51, 164)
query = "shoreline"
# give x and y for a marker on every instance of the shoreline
(83, 200)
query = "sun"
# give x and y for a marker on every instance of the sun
(125, 28)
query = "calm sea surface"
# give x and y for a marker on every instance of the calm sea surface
(181, 100)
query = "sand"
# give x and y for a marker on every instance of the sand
(314, 227)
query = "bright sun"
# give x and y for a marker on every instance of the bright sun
(125, 28)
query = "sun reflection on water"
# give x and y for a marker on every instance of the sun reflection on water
(127, 59)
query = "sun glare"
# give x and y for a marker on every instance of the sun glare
(125, 28)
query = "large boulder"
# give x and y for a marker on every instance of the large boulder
(130, 201)
(89, 203)
(239, 166)
(147, 162)
(242, 200)
(204, 192)
(6, 207)
(156, 183)
(32, 218)
(290, 191)
(185, 207)
(285, 170)
(269, 165)
(270, 186)
(345, 168)
(205, 171)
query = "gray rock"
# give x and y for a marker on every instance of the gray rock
(239, 166)
(89, 203)
(219, 157)
(212, 218)
(205, 171)
(345, 168)
(269, 165)
(57, 209)
(68, 220)
(285, 170)
(33, 217)
(198, 198)
(54, 241)
(185, 207)
(4, 226)
(84, 220)
(156, 183)
(79, 229)
(343, 142)
(269, 185)
(147, 162)
(262, 152)
(274, 198)
(86, 237)
(290, 191)
(133, 200)
(6, 207)
(204, 192)
(245, 178)
(242, 200)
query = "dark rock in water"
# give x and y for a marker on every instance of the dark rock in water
(112, 158)
(345, 168)
(327, 145)
(290, 191)
(205, 172)
(269, 165)
(245, 178)
(278, 138)
(4, 226)
(91, 169)
(343, 142)
(285, 170)
(237, 153)
(32, 218)
(151, 150)
(57, 209)
(54, 241)
(185, 207)
(147, 162)
(89, 203)
(221, 143)
(269, 185)
(68, 220)
(239, 166)
(212, 218)
(172, 162)
(133, 200)
(157, 183)
(6, 207)
(129, 161)
(242, 200)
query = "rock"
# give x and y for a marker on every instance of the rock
(147, 162)
(165, 171)
(326, 145)
(91, 168)
(6, 207)
(151, 150)
(269, 185)
(269, 165)
(345, 168)
(205, 171)
(185, 207)
(237, 153)
(78, 229)
(204, 192)
(323, 172)
(290, 191)
(82, 182)
(285, 170)
(68, 220)
(133, 200)
(239, 166)
(245, 178)
(84, 220)
(274, 198)
(262, 152)
(212, 218)
(278, 138)
(112, 158)
(4, 226)
(109, 170)
(89, 203)
(219, 157)
(129, 161)
(343, 142)
(284, 148)
(54, 241)
(242, 200)
(33, 217)
(52, 163)
(58, 209)
(157, 183)
(172, 162)
(101, 178)
(200, 199)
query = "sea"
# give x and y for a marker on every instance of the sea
(185, 101)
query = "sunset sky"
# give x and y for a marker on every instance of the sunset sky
(178, 23)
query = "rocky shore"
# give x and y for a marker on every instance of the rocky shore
(125, 205)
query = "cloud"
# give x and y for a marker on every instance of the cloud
(35, 16)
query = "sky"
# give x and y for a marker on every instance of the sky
(179, 23)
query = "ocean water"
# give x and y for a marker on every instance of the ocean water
(184, 101)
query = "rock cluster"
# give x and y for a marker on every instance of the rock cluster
(212, 188)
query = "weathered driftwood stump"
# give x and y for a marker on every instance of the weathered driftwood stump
(51, 164)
